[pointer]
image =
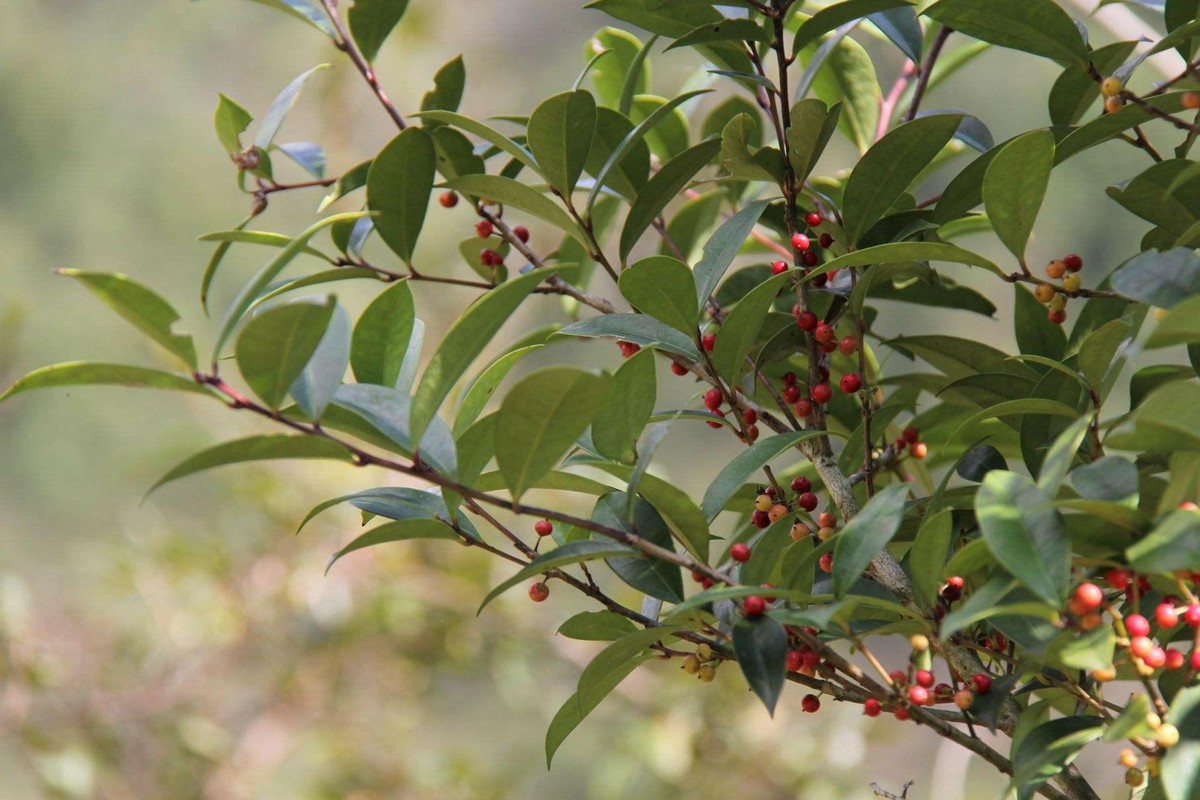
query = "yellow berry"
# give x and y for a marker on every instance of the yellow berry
(1167, 735)
(703, 652)
(1129, 759)
(1160, 314)
(691, 665)
(1111, 87)
(825, 534)
(1044, 293)
(763, 502)
(1153, 720)
(707, 674)
(1072, 282)
(919, 642)
(1105, 674)
(1058, 303)
(1152, 766)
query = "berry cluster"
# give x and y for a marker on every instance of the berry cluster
(490, 257)
(702, 664)
(1067, 270)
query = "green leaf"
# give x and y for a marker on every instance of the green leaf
(381, 336)
(146, 310)
(1025, 533)
(277, 343)
(448, 84)
(252, 290)
(309, 11)
(257, 237)
(567, 554)
(887, 170)
(761, 164)
(865, 536)
(484, 132)
(834, 16)
(1173, 545)
(761, 648)
(629, 172)
(619, 423)
(1049, 748)
(1180, 326)
(573, 711)
(1108, 126)
(389, 411)
(371, 21)
(231, 121)
(1061, 455)
(663, 287)
(813, 124)
(90, 373)
(466, 339)
(743, 327)
(744, 466)
(1181, 764)
(255, 448)
(687, 523)
(1111, 478)
(1075, 91)
(841, 70)
(1036, 334)
(1015, 185)
(657, 578)
(723, 247)
(596, 626)
(273, 119)
(1040, 27)
(927, 558)
(560, 134)
(399, 531)
(398, 189)
(900, 25)
(540, 418)
(323, 374)
(1132, 721)
(726, 30)
(637, 328)
(620, 68)
(1164, 422)
(1098, 352)
(1092, 650)
(666, 184)
(476, 397)
(519, 195)
(903, 252)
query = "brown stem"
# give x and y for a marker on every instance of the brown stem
(345, 43)
(926, 71)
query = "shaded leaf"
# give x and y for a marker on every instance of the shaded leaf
(255, 448)
(1025, 533)
(865, 536)
(761, 647)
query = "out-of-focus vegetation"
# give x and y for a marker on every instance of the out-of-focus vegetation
(190, 646)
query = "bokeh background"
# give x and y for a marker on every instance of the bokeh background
(189, 646)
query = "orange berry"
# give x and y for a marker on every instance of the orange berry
(1055, 270)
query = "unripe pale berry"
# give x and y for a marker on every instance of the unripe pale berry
(1191, 100)
(800, 531)
(706, 674)
(543, 527)
(1044, 293)
(691, 664)
(826, 520)
(1167, 735)
(1111, 86)
(777, 512)
(964, 699)
(1104, 674)
(448, 199)
(740, 552)
(763, 503)
(539, 592)
(1133, 777)
(826, 533)
(1072, 282)
(920, 450)
(1112, 105)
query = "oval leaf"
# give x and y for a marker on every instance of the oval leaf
(398, 189)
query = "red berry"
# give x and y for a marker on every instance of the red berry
(1156, 658)
(678, 369)
(791, 394)
(789, 379)
(803, 484)
(871, 707)
(1089, 596)
(828, 347)
(956, 582)
(708, 341)
(1117, 578)
(826, 239)
(1073, 262)
(807, 500)
(1141, 646)
(803, 408)
(740, 552)
(1175, 659)
(754, 605)
(1191, 615)
(714, 423)
(1137, 625)
(1188, 505)
(490, 258)
(448, 199)
(813, 219)
(712, 398)
(1166, 616)
(760, 519)
(824, 333)
(707, 583)
(779, 267)
(1195, 660)
(821, 279)
(795, 661)
(800, 242)
(825, 562)
(911, 435)
(810, 259)
(982, 682)
(898, 677)
(807, 321)
(750, 416)
(539, 592)
(628, 348)
(850, 383)
(483, 229)
(918, 695)
(848, 345)
(543, 527)
(923, 677)
(1057, 316)
(821, 393)
(521, 232)
(826, 520)
(811, 703)
(901, 713)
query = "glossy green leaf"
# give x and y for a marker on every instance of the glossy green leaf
(447, 92)
(540, 418)
(865, 536)
(1164, 422)
(477, 395)
(1060, 456)
(399, 531)
(398, 189)
(485, 132)
(276, 344)
(519, 195)
(371, 21)
(619, 423)
(323, 373)
(1015, 185)
(1173, 545)
(686, 521)
(761, 647)
(620, 68)
(743, 326)
(813, 124)
(1040, 27)
(657, 578)
(726, 30)
(1025, 533)
(841, 71)
(740, 161)
(902, 252)
(256, 448)
(723, 247)
(637, 328)
(668, 182)
(664, 288)
(1180, 326)
(1110, 478)
(1181, 763)
(389, 411)
(273, 119)
(560, 134)
(567, 554)
(231, 121)
(140, 306)
(927, 558)
(90, 373)
(1099, 353)
(628, 173)
(596, 626)
(257, 237)
(1092, 650)
(834, 16)
(901, 27)
(467, 338)
(381, 336)
(1049, 748)
(744, 466)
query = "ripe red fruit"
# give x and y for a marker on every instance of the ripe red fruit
(1137, 625)
(789, 379)
(807, 321)
(1191, 615)
(760, 519)
(803, 408)
(750, 416)
(1089, 596)
(521, 232)
(712, 398)
(1156, 658)
(779, 267)
(826, 520)
(800, 242)
(1073, 262)
(826, 239)
(825, 562)
(807, 500)
(871, 707)
(448, 199)
(628, 348)
(898, 677)
(539, 592)
(813, 219)
(911, 435)
(901, 713)
(1166, 616)
(1117, 578)
(678, 369)
(821, 393)
(918, 695)
(740, 552)
(953, 588)
(543, 527)
(1175, 659)
(708, 341)
(1141, 646)
(794, 661)
(828, 347)
(791, 394)
(1195, 660)
(923, 677)
(848, 345)
(1058, 317)
(483, 229)
(982, 683)
(803, 484)
(811, 703)
(810, 259)
(754, 605)
(850, 383)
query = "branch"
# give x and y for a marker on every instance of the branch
(345, 43)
